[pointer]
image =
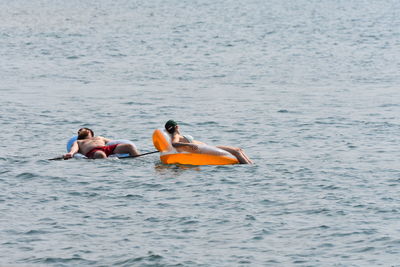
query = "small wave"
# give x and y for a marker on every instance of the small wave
(326, 245)
(4, 171)
(267, 202)
(130, 196)
(187, 221)
(56, 260)
(119, 217)
(250, 218)
(205, 123)
(389, 105)
(365, 249)
(133, 103)
(153, 219)
(26, 175)
(72, 57)
(150, 258)
(36, 232)
(83, 194)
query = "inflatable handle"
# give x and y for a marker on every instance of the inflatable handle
(160, 141)
(71, 141)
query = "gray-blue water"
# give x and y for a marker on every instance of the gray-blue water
(309, 89)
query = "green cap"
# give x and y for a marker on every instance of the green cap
(170, 124)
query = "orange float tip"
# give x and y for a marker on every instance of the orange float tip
(159, 141)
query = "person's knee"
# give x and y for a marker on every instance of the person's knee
(237, 149)
(130, 149)
(127, 146)
(100, 155)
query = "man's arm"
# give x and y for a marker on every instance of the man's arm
(179, 144)
(175, 143)
(74, 149)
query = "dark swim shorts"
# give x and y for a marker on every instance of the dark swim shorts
(106, 149)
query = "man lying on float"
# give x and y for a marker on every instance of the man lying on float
(94, 147)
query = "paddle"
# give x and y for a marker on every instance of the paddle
(147, 153)
(62, 158)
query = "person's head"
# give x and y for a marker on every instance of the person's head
(84, 133)
(171, 126)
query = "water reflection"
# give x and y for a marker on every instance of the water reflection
(173, 168)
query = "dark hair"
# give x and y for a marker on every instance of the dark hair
(170, 126)
(90, 130)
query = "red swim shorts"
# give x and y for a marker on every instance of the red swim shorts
(106, 149)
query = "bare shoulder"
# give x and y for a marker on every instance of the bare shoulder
(103, 138)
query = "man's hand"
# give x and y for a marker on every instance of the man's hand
(68, 155)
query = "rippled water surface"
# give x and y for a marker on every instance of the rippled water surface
(309, 89)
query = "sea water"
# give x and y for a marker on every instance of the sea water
(309, 89)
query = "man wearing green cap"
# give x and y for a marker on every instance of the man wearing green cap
(187, 143)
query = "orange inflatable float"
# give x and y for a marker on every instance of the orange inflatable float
(208, 155)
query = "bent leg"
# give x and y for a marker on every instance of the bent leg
(238, 153)
(99, 155)
(126, 148)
